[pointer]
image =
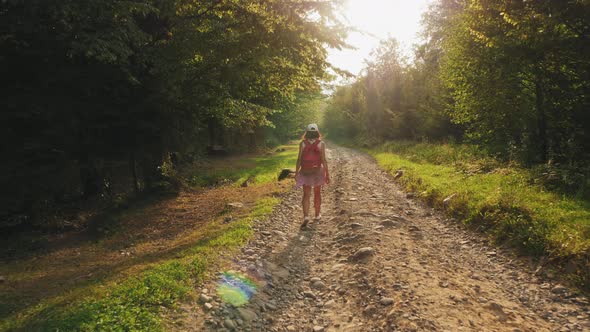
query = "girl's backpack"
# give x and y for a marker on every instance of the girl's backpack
(311, 159)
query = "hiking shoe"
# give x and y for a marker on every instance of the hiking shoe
(305, 222)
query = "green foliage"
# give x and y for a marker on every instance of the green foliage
(516, 73)
(100, 82)
(393, 100)
(290, 123)
(508, 75)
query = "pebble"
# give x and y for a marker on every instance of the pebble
(370, 309)
(559, 289)
(247, 315)
(229, 324)
(318, 328)
(309, 294)
(205, 298)
(388, 223)
(279, 233)
(318, 285)
(386, 301)
(362, 254)
(235, 205)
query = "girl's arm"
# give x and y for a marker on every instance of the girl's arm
(325, 162)
(298, 165)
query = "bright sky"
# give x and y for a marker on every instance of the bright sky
(379, 19)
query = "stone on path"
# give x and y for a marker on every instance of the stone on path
(309, 294)
(205, 298)
(370, 309)
(362, 254)
(279, 233)
(356, 225)
(318, 284)
(388, 223)
(247, 315)
(229, 324)
(235, 205)
(386, 301)
(559, 289)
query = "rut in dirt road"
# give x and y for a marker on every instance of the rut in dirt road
(380, 262)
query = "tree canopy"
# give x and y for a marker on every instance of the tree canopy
(92, 83)
(510, 75)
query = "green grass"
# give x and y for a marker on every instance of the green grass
(501, 199)
(135, 303)
(235, 170)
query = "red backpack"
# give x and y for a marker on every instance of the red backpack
(311, 159)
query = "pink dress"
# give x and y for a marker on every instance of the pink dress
(314, 179)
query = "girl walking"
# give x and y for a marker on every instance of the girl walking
(311, 171)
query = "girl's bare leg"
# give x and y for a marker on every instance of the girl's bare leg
(317, 200)
(306, 198)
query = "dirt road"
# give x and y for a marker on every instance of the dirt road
(379, 261)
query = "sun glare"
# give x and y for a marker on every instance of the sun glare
(378, 20)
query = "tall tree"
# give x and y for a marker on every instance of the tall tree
(100, 82)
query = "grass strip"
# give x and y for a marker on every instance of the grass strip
(259, 169)
(135, 303)
(500, 199)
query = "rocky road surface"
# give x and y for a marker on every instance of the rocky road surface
(379, 261)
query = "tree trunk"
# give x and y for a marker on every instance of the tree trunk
(133, 167)
(541, 122)
(90, 176)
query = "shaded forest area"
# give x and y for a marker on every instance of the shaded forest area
(103, 98)
(511, 76)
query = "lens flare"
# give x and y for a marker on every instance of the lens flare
(235, 288)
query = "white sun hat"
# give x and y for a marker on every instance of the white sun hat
(312, 127)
